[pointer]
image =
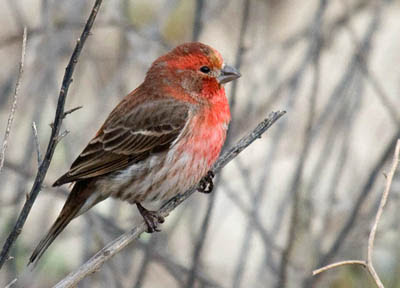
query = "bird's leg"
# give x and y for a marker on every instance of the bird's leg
(206, 184)
(152, 218)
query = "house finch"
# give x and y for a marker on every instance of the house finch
(159, 141)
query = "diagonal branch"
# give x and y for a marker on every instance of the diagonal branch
(115, 246)
(44, 165)
(14, 104)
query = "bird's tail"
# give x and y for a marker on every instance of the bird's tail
(71, 209)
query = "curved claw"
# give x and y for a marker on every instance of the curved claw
(152, 218)
(206, 184)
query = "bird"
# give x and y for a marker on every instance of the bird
(159, 141)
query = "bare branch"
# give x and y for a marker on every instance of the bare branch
(66, 114)
(115, 246)
(338, 264)
(382, 204)
(14, 104)
(44, 165)
(368, 263)
(37, 143)
(62, 135)
(72, 110)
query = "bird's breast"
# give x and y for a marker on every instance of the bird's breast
(206, 133)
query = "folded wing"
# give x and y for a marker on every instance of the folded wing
(148, 128)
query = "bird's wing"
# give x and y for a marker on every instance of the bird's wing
(150, 127)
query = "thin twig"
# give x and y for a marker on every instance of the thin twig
(368, 262)
(382, 204)
(14, 104)
(115, 246)
(338, 264)
(44, 165)
(37, 143)
(67, 112)
(72, 110)
(61, 136)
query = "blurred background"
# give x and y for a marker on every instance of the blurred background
(303, 196)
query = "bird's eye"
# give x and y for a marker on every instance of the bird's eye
(205, 69)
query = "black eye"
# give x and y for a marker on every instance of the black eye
(205, 69)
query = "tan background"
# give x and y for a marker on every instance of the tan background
(333, 65)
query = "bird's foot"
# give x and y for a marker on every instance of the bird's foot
(152, 218)
(206, 184)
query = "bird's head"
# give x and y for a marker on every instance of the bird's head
(195, 68)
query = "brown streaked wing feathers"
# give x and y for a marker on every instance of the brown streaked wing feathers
(148, 128)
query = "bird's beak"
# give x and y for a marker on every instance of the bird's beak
(228, 73)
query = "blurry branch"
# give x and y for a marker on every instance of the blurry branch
(178, 271)
(305, 34)
(239, 54)
(332, 27)
(198, 24)
(22, 171)
(9, 285)
(344, 123)
(115, 246)
(371, 239)
(232, 102)
(278, 225)
(62, 26)
(376, 85)
(44, 165)
(175, 268)
(14, 104)
(17, 14)
(254, 218)
(146, 262)
(295, 187)
(348, 76)
(271, 256)
(269, 163)
(25, 173)
(371, 77)
(374, 172)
